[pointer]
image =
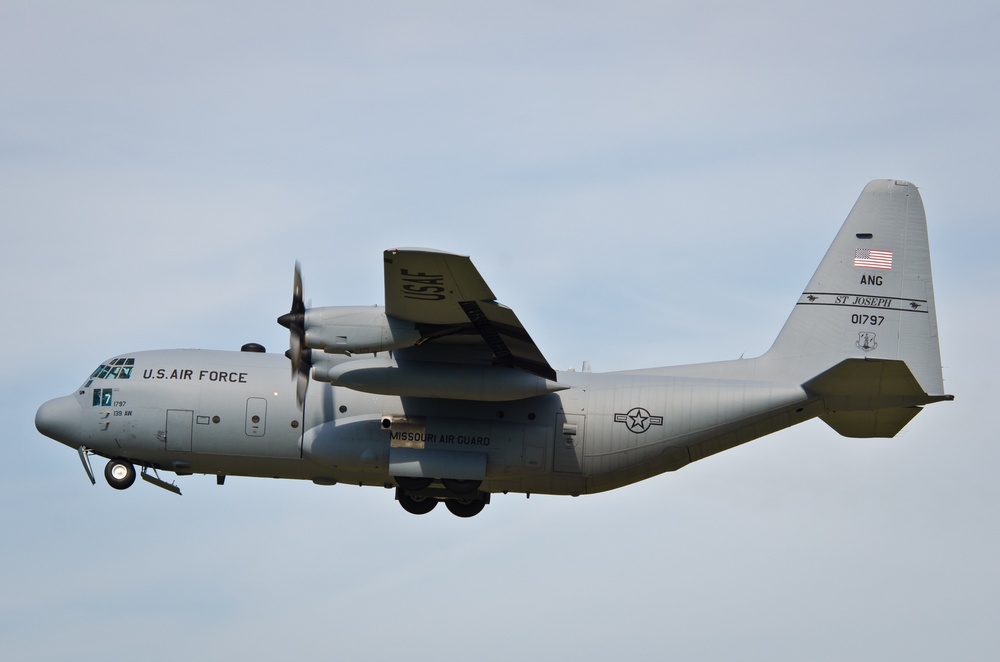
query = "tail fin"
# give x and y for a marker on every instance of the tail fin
(872, 295)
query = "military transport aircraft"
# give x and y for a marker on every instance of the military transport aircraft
(442, 395)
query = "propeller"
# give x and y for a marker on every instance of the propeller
(300, 355)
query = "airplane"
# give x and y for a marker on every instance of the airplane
(441, 395)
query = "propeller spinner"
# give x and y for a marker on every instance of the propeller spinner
(298, 353)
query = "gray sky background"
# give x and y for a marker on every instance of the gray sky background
(644, 183)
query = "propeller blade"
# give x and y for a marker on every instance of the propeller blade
(298, 307)
(295, 321)
(295, 345)
(302, 377)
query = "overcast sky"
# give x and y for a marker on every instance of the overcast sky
(645, 183)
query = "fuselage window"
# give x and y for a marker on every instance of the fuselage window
(103, 397)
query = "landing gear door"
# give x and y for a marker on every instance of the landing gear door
(568, 456)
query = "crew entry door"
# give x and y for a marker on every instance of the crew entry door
(179, 429)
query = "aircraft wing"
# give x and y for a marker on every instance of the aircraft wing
(456, 312)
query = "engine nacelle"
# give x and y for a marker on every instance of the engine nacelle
(357, 330)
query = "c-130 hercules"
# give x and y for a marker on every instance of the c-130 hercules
(442, 395)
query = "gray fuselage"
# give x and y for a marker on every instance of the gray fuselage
(235, 413)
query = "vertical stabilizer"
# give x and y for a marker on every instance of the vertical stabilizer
(872, 295)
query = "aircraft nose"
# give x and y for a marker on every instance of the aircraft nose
(60, 419)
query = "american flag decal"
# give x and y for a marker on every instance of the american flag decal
(867, 258)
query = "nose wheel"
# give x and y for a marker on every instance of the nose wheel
(120, 474)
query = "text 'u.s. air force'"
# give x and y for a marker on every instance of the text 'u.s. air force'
(225, 376)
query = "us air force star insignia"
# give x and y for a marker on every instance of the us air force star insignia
(638, 420)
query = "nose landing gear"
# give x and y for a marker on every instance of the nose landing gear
(120, 474)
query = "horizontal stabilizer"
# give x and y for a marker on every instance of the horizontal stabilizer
(869, 384)
(869, 397)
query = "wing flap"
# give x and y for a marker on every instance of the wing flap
(503, 334)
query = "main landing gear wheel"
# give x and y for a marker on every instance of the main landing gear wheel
(456, 486)
(120, 474)
(417, 505)
(465, 508)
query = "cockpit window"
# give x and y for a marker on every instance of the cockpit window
(116, 369)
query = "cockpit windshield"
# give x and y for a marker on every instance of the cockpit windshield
(113, 369)
(116, 369)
